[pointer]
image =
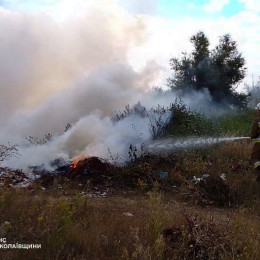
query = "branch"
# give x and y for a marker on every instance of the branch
(8, 151)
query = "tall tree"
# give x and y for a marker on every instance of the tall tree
(183, 73)
(200, 60)
(219, 70)
(229, 66)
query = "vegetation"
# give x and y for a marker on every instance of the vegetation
(178, 221)
(185, 122)
(157, 116)
(8, 151)
(218, 70)
(207, 207)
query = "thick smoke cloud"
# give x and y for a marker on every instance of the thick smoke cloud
(75, 71)
(40, 57)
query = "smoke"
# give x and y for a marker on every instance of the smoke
(89, 110)
(40, 56)
(254, 92)
(76, 71)
(92, 136)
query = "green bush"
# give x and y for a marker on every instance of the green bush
(185, 122)
(237, 124)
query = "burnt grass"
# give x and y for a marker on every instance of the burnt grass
(197, 204)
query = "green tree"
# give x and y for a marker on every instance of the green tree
(218, 70)
(230, 67)
(183, 73)
(200, 60)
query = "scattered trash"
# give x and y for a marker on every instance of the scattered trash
(128, 214)
(23, 184)
(99, 194)
(162, 175)
(96, 194)
(197, 180)
(13, 178)
(223, 176)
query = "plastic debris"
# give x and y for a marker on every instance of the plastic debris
(162, 174)
(223, 176)
(128, 214)
(197, 180)
(13, 178)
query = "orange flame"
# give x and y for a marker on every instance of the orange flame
(77, 159)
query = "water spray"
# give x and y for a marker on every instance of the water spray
(183, 143)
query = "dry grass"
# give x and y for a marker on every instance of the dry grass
(131, 225)
(124, 227)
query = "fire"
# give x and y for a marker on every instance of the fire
(77, 159)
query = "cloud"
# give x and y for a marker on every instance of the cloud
(215, 5)
(141, 7)
(251, 5)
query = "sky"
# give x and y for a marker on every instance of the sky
(169, 24)
(78, 61)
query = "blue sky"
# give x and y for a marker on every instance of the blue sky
(179, 8)
(166, 8)
(196, 8)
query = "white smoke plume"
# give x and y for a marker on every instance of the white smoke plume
(40, 56)
(75, 71)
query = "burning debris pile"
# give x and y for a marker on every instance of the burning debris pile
(92, 172)
(92, 168)
(85, 169)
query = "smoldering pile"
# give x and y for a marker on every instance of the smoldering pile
(91, 173)
(88, 169)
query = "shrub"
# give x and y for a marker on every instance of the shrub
(185, 122)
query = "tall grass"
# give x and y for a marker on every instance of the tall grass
(151, 226)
